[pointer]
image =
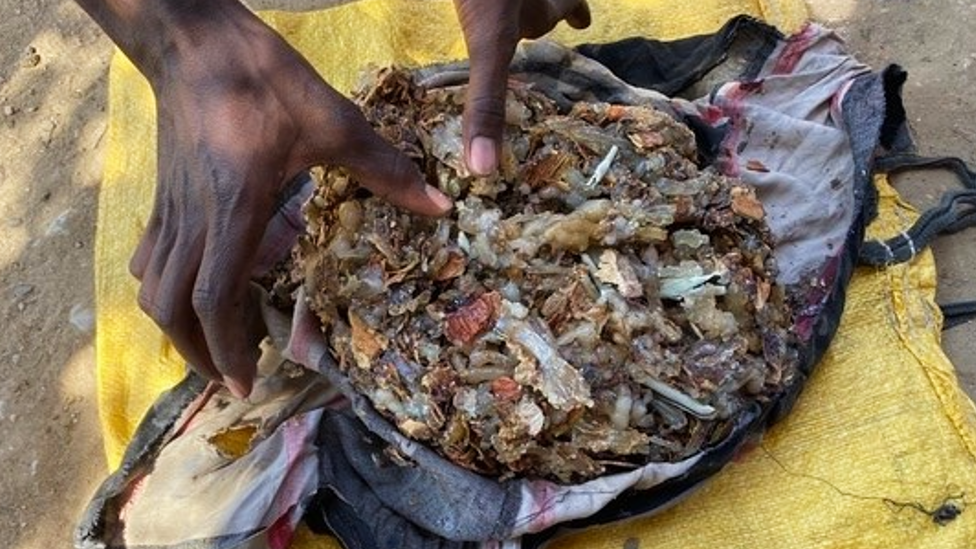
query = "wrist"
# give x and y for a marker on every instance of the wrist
(150, 32)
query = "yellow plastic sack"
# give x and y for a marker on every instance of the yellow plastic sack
(881, 433)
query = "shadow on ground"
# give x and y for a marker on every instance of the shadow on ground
(52, 92)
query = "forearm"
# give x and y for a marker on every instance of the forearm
(148, 30)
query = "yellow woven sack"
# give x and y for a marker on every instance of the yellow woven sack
(881, 435)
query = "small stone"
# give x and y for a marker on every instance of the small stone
(13, 418)
(59, 226)
(22, 290)
(79, 244)
(14, 359)
(9, 110)
(82, 318)
(21, 306)
(47, 130)
(31, 58)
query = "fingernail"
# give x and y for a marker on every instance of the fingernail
(441, 200)
(482, 158)
(237, 388)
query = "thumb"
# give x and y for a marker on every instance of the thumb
(390, 174)
(337, 133)
(579, 17)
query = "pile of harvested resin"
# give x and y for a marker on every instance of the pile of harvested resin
(601, 304)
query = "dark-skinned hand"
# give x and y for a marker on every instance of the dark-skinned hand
(239, 114)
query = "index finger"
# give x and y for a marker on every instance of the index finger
(229, 316)
(491, 32)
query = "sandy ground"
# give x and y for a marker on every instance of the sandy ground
(53, 66)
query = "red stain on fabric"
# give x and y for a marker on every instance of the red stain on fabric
(281, 533)
(733, 102)
(794, 50)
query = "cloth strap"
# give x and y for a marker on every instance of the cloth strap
(955, 212)
(957, 314)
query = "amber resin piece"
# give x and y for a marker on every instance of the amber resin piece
(599, 304)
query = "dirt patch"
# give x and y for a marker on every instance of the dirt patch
(53, 65)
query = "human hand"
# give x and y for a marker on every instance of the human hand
(492, 29)
(239, 114)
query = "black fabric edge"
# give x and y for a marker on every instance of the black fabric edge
(698, 54)
(957, 314)
(99, 516)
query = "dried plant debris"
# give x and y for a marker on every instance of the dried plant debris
(600, 304)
